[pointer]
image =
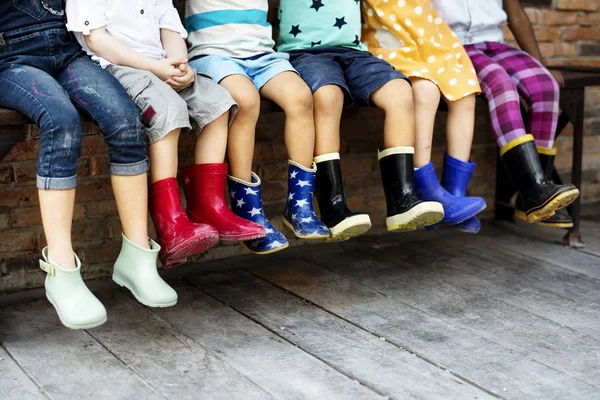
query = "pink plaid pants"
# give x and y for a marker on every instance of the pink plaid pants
(506, 73)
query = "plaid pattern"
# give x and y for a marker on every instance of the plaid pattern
(505, 74)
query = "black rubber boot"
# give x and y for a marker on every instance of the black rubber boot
(561, 219)
(341, 221)
(538, 197)
(405, 212)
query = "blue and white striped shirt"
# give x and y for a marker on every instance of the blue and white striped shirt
(232, 28)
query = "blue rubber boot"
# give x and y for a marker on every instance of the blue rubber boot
(299, 215)
(456, 209)
(455, 179)
(246, 202)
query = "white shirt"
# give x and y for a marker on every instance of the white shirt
(136, 23)
(473, 21)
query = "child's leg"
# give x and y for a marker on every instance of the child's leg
(240, 144)
(426, 96)
(395, 98)
(288, 91)
(328, 106)
(164, 157)
(211, 144)
(460, 125)
(536, 86)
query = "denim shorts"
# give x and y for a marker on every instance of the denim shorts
(357, 73)
(45, 75)
(260, 69)
(163, 109)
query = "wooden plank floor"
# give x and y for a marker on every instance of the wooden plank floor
(431, 315)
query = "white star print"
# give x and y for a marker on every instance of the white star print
(275, 245)
(306, 220)
(251, 191)
(254, 211)
(301, 203)
(293, 174)
(240, 203)
(303, 183)
(291, 196)
(293, 217)
(232, 194)
(269, 230)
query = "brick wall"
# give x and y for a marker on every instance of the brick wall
(96, 226)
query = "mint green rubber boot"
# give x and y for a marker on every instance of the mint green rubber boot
(76, 305)
(135, 270)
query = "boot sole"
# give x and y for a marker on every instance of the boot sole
(308, 237)
(241, 238)
(262, 253)
(556, 225)
(424, 214)
(181, 252)
(466, 216)
(90, 326)
(146, 303)
(557, 202)
(349, 228)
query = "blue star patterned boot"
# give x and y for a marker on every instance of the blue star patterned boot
(455, 179)
(299, 215)
(246, 202)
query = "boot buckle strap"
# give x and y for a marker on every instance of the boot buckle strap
(47, 267)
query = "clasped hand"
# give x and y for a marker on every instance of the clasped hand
(175, 72)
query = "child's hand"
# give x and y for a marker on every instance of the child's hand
(180, 83)
(169, 68)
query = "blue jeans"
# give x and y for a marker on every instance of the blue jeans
(45, 75)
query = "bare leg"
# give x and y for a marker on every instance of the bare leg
(212, 142)
(131, 195)
(163, 157)
(240, 146)
(57, 216)
(396, 100)
(328, 107)
(427, 98)
(460, 125)
(289, 92)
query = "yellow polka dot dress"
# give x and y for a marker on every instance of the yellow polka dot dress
(411, 36)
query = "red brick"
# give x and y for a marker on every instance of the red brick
(581, 5)
(532, 14)
(573, 34)
(558, 18)
(358, 164)
(13, 195)
(18, 240)
(544, 34)
(101, 209)
(559, 49)
(27, 150)
(584, 62)
(4, 221)
(6, 174)
(99, 166)
(93, 145)
(99, 189)
(592, 19)
(274, 171)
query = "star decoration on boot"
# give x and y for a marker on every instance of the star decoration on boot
(356, 40)
(291, 196)
(275, 245)
(295, 30)
(339, 22)
(306, 220)
(316, 4)
(240, 203)
(254, 211)
(270, 230)
(313, 44)
(303, 183)
(232, 194)
(293, 174)
(294, 217)
(301, 203)
(251, 191)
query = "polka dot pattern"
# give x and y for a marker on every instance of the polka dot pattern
(425, 45)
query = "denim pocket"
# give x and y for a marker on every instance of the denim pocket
(38, 9)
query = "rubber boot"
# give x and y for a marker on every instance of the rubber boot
(561, 219)
(76, 305)
(177, 236)
(246, 202)
(405, 211)
(539, 197)
(299, 215)
(342, 223)
(456, 209)
(455, 179)
(204, 186)
(135, 270)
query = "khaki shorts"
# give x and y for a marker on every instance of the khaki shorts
(163, 109)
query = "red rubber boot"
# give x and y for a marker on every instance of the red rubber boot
(178, 237)
(204, 186)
